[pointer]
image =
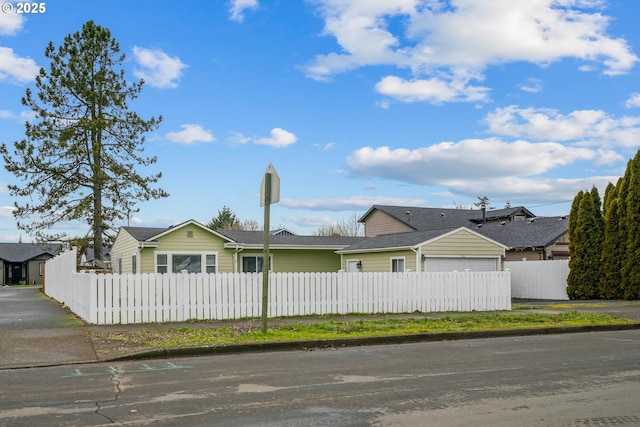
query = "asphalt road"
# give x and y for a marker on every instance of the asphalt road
(583, 379)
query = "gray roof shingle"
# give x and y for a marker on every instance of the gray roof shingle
(22, 252)
(255, 237)
(398, 240)
(437, 218)
(142, 234)
(534, 233)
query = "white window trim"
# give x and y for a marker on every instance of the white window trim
(404, 263)
(169, 254)
(255, 255)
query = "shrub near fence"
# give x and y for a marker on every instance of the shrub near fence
(144, 298)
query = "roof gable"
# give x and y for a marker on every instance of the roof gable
(147, 234)
(411, 240)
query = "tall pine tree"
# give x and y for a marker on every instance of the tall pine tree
(631, 224)
(586, 247)
(79, 158)
(612, 255)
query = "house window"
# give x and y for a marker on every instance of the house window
(161, 263)
(253, 264)
(192, 263)
(41, 268)
(177, 262)
(211, 263)
(397, 265)
(134, 263)
(120, 265)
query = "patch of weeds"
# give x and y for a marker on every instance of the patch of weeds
(334, 329)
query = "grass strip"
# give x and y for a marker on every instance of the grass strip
(332, 329)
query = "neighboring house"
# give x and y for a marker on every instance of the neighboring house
(87, 259)
(193, 247)
(534, 239)
(24, 262)
(428, 250)
(381, 219)
(524, 234)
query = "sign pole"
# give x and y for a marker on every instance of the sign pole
(269, 193)
(265, 251)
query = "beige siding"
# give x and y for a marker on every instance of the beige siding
(560, 249)
(381, 261)
(305, 260)
(34, 269)
(531, 255)
(123, 247)
(380, 223)
(462, 243)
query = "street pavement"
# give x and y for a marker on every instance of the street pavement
(37, 331)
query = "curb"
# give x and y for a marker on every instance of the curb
(161, 353)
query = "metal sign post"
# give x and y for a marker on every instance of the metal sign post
(269, 193)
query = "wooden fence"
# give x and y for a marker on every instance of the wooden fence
(106, 299)
(539, 279)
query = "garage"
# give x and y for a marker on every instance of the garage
(461, 264)
(456, 249)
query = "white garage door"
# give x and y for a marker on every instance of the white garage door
(460, 264)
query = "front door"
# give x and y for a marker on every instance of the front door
(16, 274)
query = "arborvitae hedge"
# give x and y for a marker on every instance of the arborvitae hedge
(586, 241)
(631, 220)
(604, 240)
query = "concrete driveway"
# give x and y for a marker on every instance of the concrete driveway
(37, 331)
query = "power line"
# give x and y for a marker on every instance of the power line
(552, 203)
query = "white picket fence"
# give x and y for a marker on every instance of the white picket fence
(106, 299)
(539, 279)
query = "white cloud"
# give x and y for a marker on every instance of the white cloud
(15, 68)
(279, 138)
(325, 147)
(358, 203)
(10, 23)
(238, 7)
(467, 160)
(6, 114)
(531, 85)
(433, 90)
(448, 44)
(589, 127)
(157, 68)
(633, 101)
(239, 138)
(312, 221)
(22, 116)
(533, 190)
(6, 211)
(190, 134)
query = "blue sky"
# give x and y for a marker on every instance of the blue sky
(356, 102)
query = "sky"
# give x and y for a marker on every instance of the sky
(430, 103)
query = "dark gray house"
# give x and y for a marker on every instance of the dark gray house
(24, 262)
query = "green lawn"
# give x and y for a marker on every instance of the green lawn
(333, 329)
